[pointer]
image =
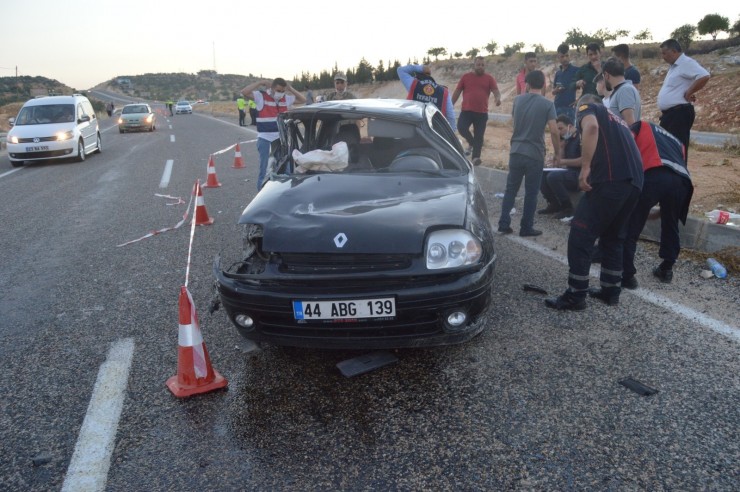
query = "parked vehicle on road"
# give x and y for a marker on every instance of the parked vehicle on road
(54, 127)
(183, 107)
(137, 117)
(370, 231)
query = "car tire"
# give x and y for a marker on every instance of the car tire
(99, 146)
(80, 151)
(120, 130)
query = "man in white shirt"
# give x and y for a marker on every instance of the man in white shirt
(685, 77)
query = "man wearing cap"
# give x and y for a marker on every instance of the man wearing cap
(340, 89)
(420, 85)
(270, 103)
(684, 79)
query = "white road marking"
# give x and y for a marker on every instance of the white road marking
(172, 138)
(166, 174)
(6, 173)
(88, 469)
(645, 295)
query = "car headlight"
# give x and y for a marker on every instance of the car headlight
(13, 139)
(64, 136)
(452, 248)
(120, 121)
(149, 118)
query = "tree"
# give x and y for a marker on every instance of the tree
(645, 35)
(491, 47)
(684, 35)
(538, 48)
(515, 48)
(436, 52)
(458, 54)
(364, 73)
(713, 24)
(576, 38)
(736, 28)
(473, 52)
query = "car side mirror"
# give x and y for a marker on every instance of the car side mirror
(11, 121)
(83, 119)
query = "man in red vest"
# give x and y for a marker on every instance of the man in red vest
(270, 103)
(420, 85)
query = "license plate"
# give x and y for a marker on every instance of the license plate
(37, 148)
(345, 309)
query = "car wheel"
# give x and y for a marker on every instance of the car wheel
(80, 151)
(120, 130)
(99, 147)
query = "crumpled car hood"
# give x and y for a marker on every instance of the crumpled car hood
(334, 213)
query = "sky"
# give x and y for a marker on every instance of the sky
(82, 44)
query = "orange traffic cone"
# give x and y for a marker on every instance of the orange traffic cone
(194, 371)
(201, 214)
(238, 162)
(212, 181)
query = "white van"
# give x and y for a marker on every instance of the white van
(54, 127)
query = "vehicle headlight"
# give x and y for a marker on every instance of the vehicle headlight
(120, 121)
(452, 248)
(64, 136)
(13, 139)
(149, 118)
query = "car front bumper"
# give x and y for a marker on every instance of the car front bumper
(42, 150)
(422, 307)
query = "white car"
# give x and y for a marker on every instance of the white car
(54, 127)
(183, 107)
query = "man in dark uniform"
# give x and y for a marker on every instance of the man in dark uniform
(667, 182)
(611, 175)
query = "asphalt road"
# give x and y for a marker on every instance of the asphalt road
(533, 403)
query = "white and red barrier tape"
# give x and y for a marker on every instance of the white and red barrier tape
(176, 226)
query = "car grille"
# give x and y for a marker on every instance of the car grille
(40, 139)
(41, 155)
(318, 264)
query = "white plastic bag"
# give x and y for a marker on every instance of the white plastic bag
(335, 159)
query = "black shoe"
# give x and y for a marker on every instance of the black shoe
(607, 295)
(530, 233)
(566, 302)
(550, 209)
(665, 276)
(563, 213)
(505, 230)
(629, 283)
(477, 161)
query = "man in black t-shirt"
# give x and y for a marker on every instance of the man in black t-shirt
(612, 177)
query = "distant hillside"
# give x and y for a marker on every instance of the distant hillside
(206, 84)
(13, 89)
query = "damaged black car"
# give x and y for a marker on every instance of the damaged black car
(370, 232)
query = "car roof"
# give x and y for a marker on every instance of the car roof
(46, 100)
(136, 104)
(401, 109)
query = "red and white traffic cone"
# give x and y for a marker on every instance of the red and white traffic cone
(195, 374)
(212, 181)
(238, 162)
(201, 214)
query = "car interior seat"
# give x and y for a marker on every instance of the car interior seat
(417, 159)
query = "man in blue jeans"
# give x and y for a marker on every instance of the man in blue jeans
(269, 103)
(531, 113)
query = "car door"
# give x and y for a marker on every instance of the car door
(86, 128)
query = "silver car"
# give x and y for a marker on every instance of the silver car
(183, 107)
(137, 117)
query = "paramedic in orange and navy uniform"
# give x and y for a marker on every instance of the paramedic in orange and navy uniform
(668, 183)
(422, 87)
(270, 103)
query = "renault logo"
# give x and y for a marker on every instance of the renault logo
(340, 239)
